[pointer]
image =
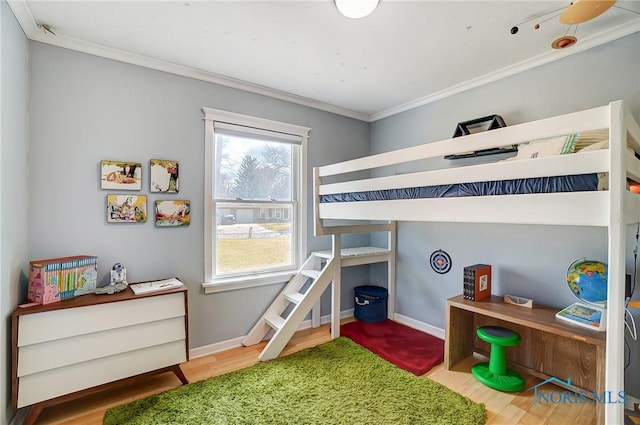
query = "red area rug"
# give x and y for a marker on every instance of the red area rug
(405, 347)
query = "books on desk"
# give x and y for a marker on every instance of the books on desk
(591, 317)
(155, 285)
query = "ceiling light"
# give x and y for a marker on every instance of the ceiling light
(356, 8)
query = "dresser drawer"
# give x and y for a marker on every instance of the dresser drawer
(76, 349)
(65, 323)
(52, 383)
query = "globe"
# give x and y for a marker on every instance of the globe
(587, 279)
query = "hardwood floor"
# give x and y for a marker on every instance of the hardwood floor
(502, 408)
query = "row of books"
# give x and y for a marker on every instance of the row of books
(58, 279)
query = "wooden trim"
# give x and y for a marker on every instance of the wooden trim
(211, 114)
(14, 362)
(186, 325)
(92, 299)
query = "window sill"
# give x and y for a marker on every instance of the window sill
(232, 284)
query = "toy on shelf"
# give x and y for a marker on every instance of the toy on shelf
(118, 280)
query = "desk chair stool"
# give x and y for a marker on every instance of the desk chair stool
(495, 373)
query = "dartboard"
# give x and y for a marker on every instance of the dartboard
(440, 262)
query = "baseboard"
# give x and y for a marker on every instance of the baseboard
(217, 347)
(421, 326)
(237, 342)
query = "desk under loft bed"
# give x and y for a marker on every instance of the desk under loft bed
(546, 190)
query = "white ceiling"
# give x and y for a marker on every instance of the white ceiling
(405, 54)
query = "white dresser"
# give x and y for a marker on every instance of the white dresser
(74, 347)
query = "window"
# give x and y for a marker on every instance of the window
(255, 209)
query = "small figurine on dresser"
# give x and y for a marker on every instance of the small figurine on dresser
(118, 280)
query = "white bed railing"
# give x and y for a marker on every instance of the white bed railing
(590, 162)
(577, 122)
(551, 208)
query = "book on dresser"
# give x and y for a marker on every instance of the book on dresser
(155, 285)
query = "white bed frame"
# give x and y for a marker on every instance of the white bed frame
(613, 208)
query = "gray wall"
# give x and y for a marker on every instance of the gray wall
(528, 261)
(86, 109)
(14, 94)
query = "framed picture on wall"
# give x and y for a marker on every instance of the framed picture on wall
(164, 176)
(120, 175)
(173, 213)
(126, 208)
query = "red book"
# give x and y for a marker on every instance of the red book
(477, 282)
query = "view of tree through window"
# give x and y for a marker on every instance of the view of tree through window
(253, 204)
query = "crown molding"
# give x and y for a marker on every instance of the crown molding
(23, 14)
(551, 56)
(29, 26)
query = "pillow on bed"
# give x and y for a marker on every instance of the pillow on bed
(604, 144)
(588, 138)
(548, 147)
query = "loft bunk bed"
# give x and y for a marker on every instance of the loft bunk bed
(545, 184)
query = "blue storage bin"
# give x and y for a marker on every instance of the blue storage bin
(370, 303)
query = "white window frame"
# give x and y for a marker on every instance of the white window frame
(299, 191)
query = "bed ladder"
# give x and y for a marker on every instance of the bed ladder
(294, 303)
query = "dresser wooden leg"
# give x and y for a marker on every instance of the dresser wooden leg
(34, 412)
(178, 372)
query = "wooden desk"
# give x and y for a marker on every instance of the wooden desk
(549, 347)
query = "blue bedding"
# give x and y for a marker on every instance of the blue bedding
(575, 183)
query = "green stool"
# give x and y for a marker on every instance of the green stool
(495, 373)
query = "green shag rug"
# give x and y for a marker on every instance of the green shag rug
(338, 382)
